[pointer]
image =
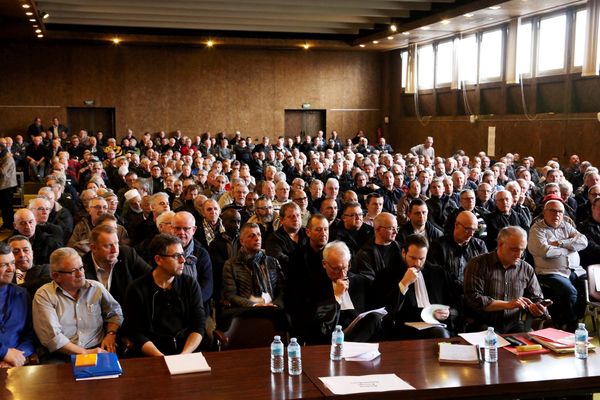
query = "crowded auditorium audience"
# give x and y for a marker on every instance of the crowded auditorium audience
(169, 237)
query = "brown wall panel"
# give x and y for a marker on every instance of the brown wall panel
(193, 89)
(543, 138)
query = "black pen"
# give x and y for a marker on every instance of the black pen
(478, 354)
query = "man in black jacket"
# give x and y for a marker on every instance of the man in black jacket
(110, 264)
(288, 237)
(27, 275)
(164, 307)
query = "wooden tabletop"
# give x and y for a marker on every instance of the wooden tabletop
(416, 362)
(245, 374)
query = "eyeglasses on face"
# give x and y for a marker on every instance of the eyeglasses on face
(72, 272)
(176, 256)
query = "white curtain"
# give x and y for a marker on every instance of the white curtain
(411, 70)
(590, 65)
(511, 52)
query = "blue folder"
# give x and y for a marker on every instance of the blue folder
(107, 366)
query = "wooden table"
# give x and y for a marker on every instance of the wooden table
(416, 362)
(245, 374)
(241, 374)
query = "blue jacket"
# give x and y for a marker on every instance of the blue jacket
(16, 330)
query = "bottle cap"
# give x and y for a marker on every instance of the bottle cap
(277, 337)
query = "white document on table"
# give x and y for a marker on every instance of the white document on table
(478, 339)
(381, 311)
(187, 363)
(419, 325)
(354, 349)
(364, 383)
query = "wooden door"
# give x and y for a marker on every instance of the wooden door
(304, 122)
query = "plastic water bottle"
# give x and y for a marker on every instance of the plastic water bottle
(581, 342)
(491, 346)
(294, 357)
(337, 343)
(277, 364)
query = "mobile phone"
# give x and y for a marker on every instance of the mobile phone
(546, 302)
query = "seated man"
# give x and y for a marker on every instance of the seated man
(73, 315)
(112, 265)
(27, 275)
(42, 243)
(351, 229)
(500, 286)
(252, 279)
(164, 312)
(418, 223)
(337, 299)
(504, 215)
(288, 237)
(407, 287)
(554, 244)
(16, 335)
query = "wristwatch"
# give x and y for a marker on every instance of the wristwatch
(111, 332)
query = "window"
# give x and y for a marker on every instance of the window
(524, 49)
(490, 62)
(425, 67)
(551, 48)
(404, 57)
(443, 63)
(467, 60)
(579, 48)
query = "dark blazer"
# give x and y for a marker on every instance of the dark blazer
(129, 267)
(35, 278)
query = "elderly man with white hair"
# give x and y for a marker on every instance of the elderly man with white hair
(554, 244)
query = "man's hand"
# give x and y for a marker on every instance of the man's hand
(340, 287)
(95, 350)
(521, 302)
(410, 276)
(15, 357)
(441, 315)
(109, 343)
(537, 310)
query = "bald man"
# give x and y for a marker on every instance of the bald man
(43, 243)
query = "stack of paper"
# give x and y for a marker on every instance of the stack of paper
(478, 339)
(364, 384)
(354, 351)
(187, 363)
(459, 353)
(556, 340)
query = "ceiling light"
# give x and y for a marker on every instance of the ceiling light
(44, 15)
(306, 46)
(25, 6)
(406, 33)
(425, 28)
(210, 43)
(495, 7)
(32, 20)
(40, 35)
(393, 28)
(375, 41)
(361, 45)
(390, 38)
(38, 31)
(35, 25)
(116, 40)
(29, 13)
(469, 15)
(445, 21)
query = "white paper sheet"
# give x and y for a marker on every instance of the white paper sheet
(364, 383)
(354, 349)
(186, 363)
(478, 338)
(381, 311)
(423, 325)
(370, 356)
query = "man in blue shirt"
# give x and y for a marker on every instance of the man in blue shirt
(16, 333)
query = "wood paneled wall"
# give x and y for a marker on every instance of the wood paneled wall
(157, 88)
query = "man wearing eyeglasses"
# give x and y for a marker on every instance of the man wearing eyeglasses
(382, 250)
(351, 229)
(40, 207)
(73, 315)
(164, 311)
(554, 244)
(16, 335)
(501, 288)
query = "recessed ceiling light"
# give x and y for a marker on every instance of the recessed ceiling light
(29, 13)
(25, 6)
(38, 31)
(306, 46)
(375, 41)
(210, 43)
(116, 40)
(393, 28)
(469, 15)
(495, 7)
(406, 33)
(361, 45)
(390, 38)
(40, 35)
(425, 28)
(32, 20)
(35, 25)
(45, 15)
(445, 21)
